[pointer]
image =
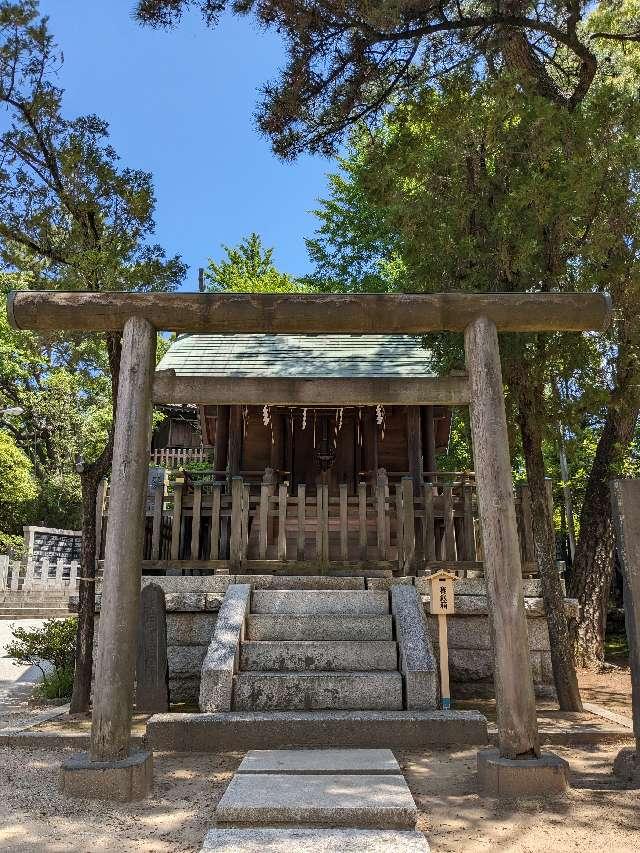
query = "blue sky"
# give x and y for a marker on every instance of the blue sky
(181, 105)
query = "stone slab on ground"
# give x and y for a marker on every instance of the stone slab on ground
(280, 626)
(121, 780)
(300, 656)
(320, 761)
(284, 840)
(328, 800)
(308, 729)
(325, 602)
(308, 691)
(509, 778)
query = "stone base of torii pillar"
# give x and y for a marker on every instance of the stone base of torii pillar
(127, 779)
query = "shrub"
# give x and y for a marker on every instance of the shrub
(54, 642)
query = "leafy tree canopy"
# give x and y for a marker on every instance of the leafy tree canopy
(348, 60)
(249, 268)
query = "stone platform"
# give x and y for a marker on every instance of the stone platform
(315, 729)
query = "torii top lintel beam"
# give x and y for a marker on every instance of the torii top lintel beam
(274, 313)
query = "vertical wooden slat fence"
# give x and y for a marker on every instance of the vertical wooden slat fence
(233, 524)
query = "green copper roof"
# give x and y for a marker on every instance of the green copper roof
(305, 356)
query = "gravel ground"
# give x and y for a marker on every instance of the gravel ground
(596, 814)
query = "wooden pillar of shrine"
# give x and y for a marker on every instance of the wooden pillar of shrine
(370, 443)
(234, 453)
(221, 446)
(428, 438)
(515, 700)
(119, 614)
(414, 447)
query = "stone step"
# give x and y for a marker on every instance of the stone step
(317, 691)
(297, 656)
(295, 840)
(281, 626)
(325, 602)
(244, 730)
(34, 613)
(373, 762)
(383, 802)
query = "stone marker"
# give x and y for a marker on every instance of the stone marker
(320, 761)
(625, 502)
(285, 840)
(384, 802)
(152, 670)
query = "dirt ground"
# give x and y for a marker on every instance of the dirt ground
(609, 688)
(596, 814)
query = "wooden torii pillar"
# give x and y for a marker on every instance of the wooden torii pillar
(479, 316)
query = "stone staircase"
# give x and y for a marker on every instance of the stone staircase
(314, 650)
(317, 661)
(37, 604)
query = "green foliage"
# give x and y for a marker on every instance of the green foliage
(53, 642)
(18, 487)
(249, 268)
(12, 544)
(476, 185)
(57, 685)
(347, 61)
(71, 217)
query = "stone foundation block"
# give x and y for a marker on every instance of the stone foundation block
(511, 778)
(190, 629)
(185, 661)
(124, 780)
(190, 583)
(627, 766)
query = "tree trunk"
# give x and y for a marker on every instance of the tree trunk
(530, 406)
(593, 564)
(90, 478)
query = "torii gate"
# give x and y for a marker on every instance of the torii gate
(479, 316)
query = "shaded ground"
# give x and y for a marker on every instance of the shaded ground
(610, 689)
(597, 813)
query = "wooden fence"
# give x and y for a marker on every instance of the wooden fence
(177, 457)
(232, 524)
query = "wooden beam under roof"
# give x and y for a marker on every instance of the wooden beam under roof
(275, 313)
(281, 391)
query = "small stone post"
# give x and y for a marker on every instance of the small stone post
(152, 671)
(500, 772)
(625, 503)
(111, 772)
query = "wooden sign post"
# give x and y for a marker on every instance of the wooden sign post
(442, 604)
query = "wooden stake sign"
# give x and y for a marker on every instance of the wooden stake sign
(443, 604)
